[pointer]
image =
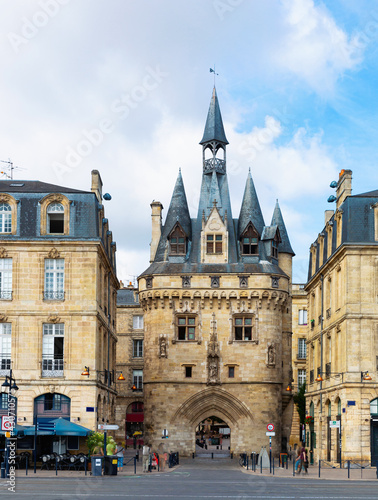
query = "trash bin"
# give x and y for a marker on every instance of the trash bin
(96, 463)
(110, 465)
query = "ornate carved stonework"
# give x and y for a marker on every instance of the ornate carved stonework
(163, 353)
(4, 198)
(213, 354)
(3, 253)
(214, 281)
(53, 254)
(53, 319)
(149, 282)
(186, 281)
(271, 355)
(243, 281)
(275, 281)
(3, 317)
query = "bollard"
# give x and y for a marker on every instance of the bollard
(56, 466)
(261, 465)
(193, 456)
(287, 463)
(26, 466)
(348, 469)
(135, 461)
(232, 455)
(2, 470)
(319, 466)
(85, 464)
(273, 466)
(247, 462)
(212, 455)
(376, 464)
(293, 468)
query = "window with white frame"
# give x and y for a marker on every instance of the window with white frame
(138, 348)
(5, 218)
(302, 349)
(6, 279)
(53, 350)
(301, 377)
(138, 322)
(54, 279)
(5, 348)
(55, 218)
(302, 317)
(138, 379)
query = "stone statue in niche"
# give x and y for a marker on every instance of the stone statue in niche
(271, 354)
(213, 370)
(163, 347)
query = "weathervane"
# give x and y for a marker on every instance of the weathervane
(215, 74)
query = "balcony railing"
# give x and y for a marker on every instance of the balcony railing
(5, 364)
(53, 295)
(52, 366)
(6, 294)
(328, 313)
(214, 164)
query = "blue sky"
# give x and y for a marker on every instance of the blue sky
(124, 87)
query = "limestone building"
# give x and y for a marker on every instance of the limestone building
(57, 307)
(130, 361)
(217, 313)
(343, 329)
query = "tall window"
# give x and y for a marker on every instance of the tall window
(6, 279)
(55, 218)
(275, 247)
(137, 322)
(138, 348)
(249, 241)
(242, 326)
(214, 243)
(5, 348)
(302, 348)
(54, 279)
(5, 218)
(302, 317)
(138, 379)
(53, 350)
(301, 377)
(177, 241)
(186, 328)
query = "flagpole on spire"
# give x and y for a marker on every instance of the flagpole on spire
(215, 74)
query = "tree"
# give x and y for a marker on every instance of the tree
(300, 403)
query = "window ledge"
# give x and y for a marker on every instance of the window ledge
(195, 341)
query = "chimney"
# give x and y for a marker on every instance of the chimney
(327, 216)
(97, 185)
(157, 208)
(344, 186)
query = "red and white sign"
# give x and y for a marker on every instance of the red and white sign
(270, 427)
(7, 423)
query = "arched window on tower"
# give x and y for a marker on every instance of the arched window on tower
(250, 241)
(177, 241)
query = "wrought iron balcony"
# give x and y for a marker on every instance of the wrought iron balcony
(6, 294)
(52, 365)
(5, 364)
(53, 295)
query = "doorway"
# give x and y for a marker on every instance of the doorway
(213, 437)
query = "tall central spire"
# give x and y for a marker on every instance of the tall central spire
(214, 139)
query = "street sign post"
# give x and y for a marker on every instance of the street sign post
(270, 427)
(7, 423)
(107, 427)
(270, 433)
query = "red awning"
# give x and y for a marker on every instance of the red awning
(134, 417)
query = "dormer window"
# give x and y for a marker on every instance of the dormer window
(55, 218)
(214, 243)
(275, 247)
(177, 241)
(250, 241)
(5, 218)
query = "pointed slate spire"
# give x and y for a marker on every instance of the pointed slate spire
(214, 191)
(277, 219)
(250, 210)
(214, 130)
(178, 210)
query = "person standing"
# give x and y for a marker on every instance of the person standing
(119, 453)
(298, 461)
(111, 447)
(146, 457)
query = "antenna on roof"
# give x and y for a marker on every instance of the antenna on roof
(8, 171)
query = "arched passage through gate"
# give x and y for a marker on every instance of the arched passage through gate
(213, 435)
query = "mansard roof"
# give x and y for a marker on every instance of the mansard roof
(214, 130)
(16, 186)
(277, 219)
(250, 210)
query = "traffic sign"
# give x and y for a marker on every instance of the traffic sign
(334, 423)
(7, 423)
(270, 427)
(107, 427)
(270, 434)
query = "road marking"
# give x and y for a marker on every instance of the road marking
(136, 495)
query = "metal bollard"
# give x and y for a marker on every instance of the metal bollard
(376, 464)
(319, 466)
(56, 466)
(261, 465)
(273, 466)
(212, 455)
(193, 456)
(85, 464)
(348, 469)
(293, 468)
(247, 462)
(135, 461)
(231, 455)
(2, 470)
(26, 466)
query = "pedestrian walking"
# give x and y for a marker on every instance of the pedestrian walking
(119, 452)
(305, 462)
(146, 457)
(298, 461)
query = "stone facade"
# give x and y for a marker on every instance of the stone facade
(343, 330)
(57, 302)
(217, 314)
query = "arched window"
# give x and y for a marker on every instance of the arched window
(5, 218)
(275, 243)
(249, 241)
(177, 241)
(55, 218)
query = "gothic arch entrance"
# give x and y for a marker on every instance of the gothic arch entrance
(213, 437)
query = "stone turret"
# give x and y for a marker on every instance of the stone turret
(157, 208)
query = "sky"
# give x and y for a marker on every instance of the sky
(124, 86)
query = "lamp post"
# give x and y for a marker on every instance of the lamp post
(7, 387)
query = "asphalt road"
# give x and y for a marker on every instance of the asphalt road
(201, 479)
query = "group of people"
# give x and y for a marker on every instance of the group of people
(301, 461)
(149, 457)
(112, 448)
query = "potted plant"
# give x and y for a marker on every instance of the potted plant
(309, 419)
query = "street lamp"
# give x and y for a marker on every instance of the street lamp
(365, 376)
(7, 387)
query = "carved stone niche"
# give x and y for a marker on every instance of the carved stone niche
(149, 282)
(271, 355)
(243, 281)
(186, 281)
(275, 281)
(214, 281)
(163, 346)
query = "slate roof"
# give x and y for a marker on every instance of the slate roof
(16, 186)
(214, 130)
(277, 219)
(250, 210)
(127, 297)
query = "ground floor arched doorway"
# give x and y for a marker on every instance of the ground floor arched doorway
(213, 436)
(134, 427)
